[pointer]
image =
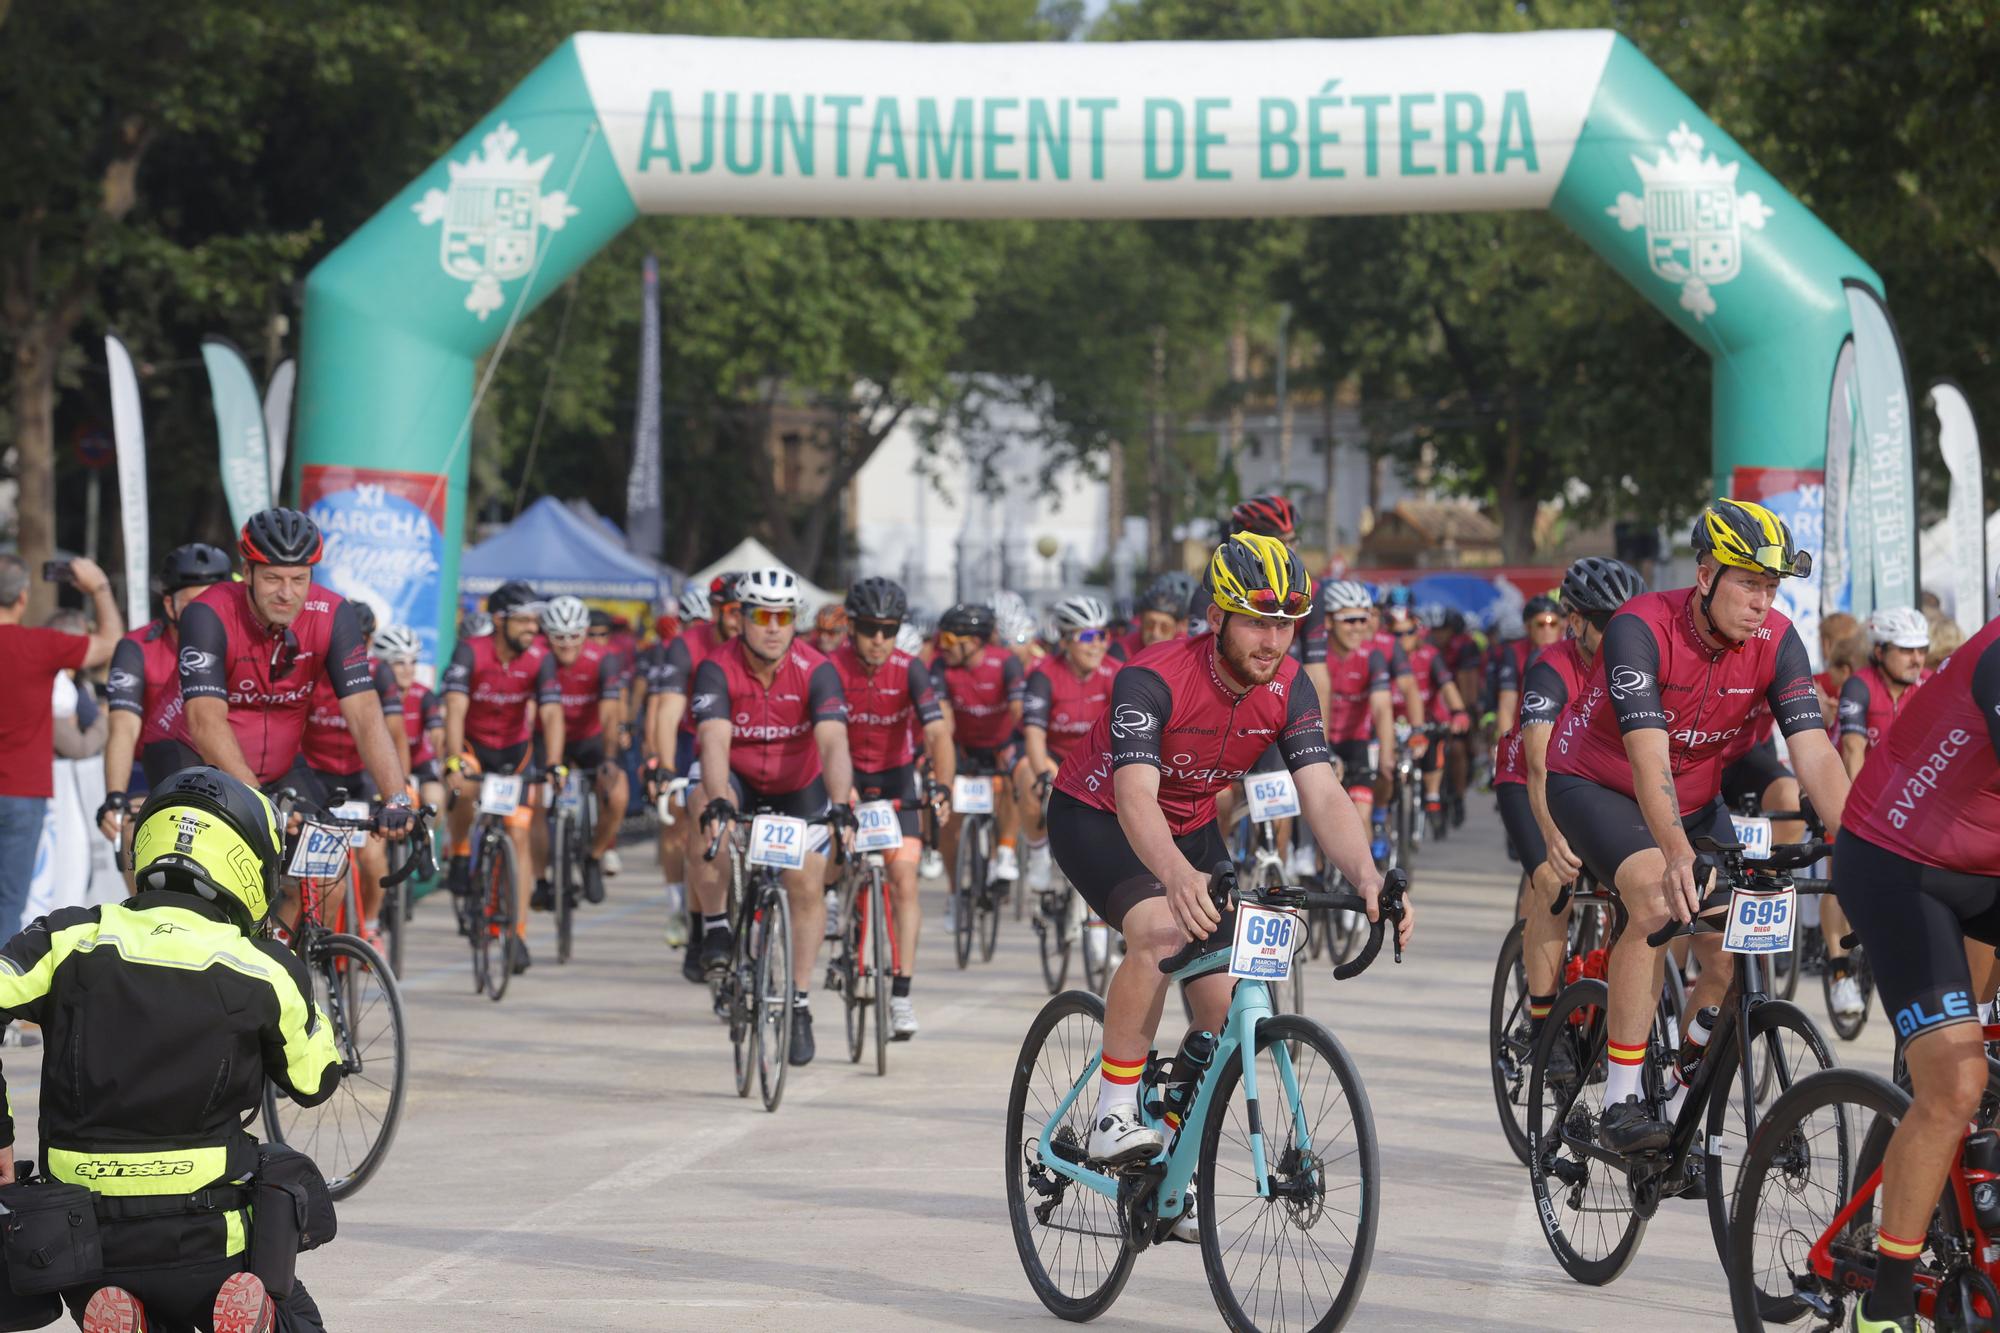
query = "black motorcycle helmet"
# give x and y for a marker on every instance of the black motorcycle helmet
(877, 599)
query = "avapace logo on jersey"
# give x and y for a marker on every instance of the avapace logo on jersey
(121, 680)
(1925, 780)
(770, 732)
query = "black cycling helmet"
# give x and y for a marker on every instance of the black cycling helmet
(195, 565)
(1597, 585)
(969, 620)
(512, 596)
(280, 537)
(364, 616)
(1171, 594)
(1541, 605)
(877, 599)
(724, 590)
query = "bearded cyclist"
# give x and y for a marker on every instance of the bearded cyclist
(1063, 697)
(144, 686)
(1360, 716)
(771, 727)
(1917, 868)
(496, 690)
(253, 653)
(1635, 767)
(1163, 611)
(891, 707)
(1593, 590)
(587, 687)
(1132, 821)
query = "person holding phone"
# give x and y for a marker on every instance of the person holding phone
(30, 661)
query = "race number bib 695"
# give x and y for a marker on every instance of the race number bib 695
(778, 840)
(1760, 922)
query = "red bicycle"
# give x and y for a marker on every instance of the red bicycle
(868, 957)
(1802, 1236)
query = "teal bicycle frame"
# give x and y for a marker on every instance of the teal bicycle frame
(1248, 1007)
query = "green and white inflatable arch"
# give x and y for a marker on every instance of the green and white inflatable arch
(610, 126)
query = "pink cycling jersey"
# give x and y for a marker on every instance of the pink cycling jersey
(982, 693)
(596, 675)
(328, 745)
(1655, 672)
(145, 678)
(886, 708)
(1171, 709)
(1351, 681)
(1554, 676)
(771, 743)
(1065, 704)
(1930, 790)
(501, 696)
(1867, 706)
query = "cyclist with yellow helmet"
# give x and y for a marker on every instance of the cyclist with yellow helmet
(1635, 764)
(1132, 819)
(164, 1015)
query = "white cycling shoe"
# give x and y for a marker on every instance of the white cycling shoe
(930, 865)
(1846, 1000)
(1120, 1138)
(1302, 863)
(1187, 1227)
(902, 1018)
(609, 863)
(1004, 865)
(1038, 867)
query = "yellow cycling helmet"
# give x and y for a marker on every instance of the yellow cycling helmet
(1254, 575)
(207, 832)
(1748, 536)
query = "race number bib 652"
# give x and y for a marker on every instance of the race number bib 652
(1271, 795)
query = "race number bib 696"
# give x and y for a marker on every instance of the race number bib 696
(1265, 939)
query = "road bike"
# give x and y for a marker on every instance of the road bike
(349, 1134)
(754, 993)
(975, 896)
(487, 911)
(1594, 1204)
(1275, 1139)
(574, 872)
(866, 956)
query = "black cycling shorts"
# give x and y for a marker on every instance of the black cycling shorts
(1752, 774)
(507, 759)
(1517, 814)
(318, 785)
(1356, 772)
(584, 753)
(895, 784)
(1914, 920)
(428, 771)
(990, 760)
(1094, 855)
(160, 760)
(1604, 827)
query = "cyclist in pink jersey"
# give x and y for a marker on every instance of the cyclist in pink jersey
(1593, 590)
(671, 726)
(1917, 866)
(589, 688)
(144, 687)
(252, 652)
(497, 690)
(423, 711)
(1441, 702)
(1133, 821)
(1876, 693)
(1360, 714)
(1063, 696)
(771, 730)
(981, 683)
(1635, 765)
(892, 709)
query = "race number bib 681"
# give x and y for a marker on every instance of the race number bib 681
(1755, 835)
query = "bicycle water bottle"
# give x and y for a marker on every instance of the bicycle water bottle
(1190, 1063)
(1694, 1045)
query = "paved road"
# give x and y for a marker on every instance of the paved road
(576, 1158)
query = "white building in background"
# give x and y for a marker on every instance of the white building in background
(921, 516)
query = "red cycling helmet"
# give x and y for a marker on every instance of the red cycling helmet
(1270, 515)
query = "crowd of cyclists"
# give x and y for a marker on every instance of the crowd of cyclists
(1109, 744)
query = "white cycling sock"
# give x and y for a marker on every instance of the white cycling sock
(1622, 1077)
(714, 921)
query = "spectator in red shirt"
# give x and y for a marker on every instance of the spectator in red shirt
(30, 660)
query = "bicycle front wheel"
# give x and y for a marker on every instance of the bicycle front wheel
(1070, 1239)
(349, 1134)
(774, 994)
(879, 920)
(1052, 933)
(499, 913)
(1785, 1047)
(1510, 1042)
(1296, 1256)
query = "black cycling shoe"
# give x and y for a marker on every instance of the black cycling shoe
(543, 899)
(802, 1036)
(1630, 1126)
(716, 946)
(593, 885)
(1560, 1068)
(691, 965)
(521, 960)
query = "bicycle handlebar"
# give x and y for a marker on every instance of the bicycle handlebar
(422, 862)
(827, 820)
(1786, 856)
(1222, 886)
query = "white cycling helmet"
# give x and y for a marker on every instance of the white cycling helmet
(396, 643)
(773, 587)
(565, 617)
(1899, 627)
(1082, 612)
(694, 602)
(910, 639)
(1344, 595)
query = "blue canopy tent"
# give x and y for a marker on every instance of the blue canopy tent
(557, 551)
(1478, 598)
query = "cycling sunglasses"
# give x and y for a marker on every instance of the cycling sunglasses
(600, 636)
(1352, 620)
(568, 638)
(1269, 601)
(1546, 622)
(284, 655)
(1090, 635)
(876, 629)
(1772, 560)
(771, 615)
